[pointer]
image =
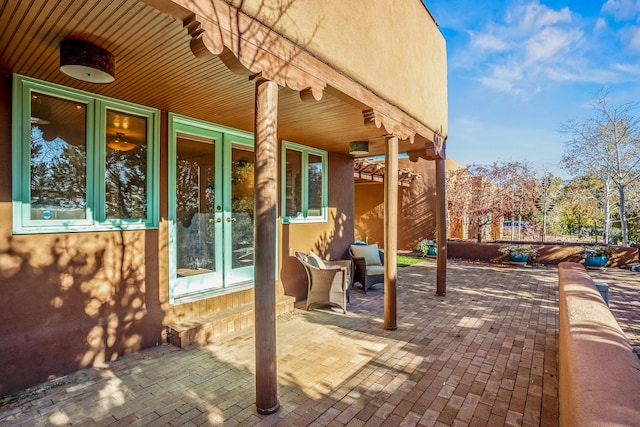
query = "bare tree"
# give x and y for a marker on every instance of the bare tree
(487, 193)
(606, 143)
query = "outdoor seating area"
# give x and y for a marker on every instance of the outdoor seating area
(483, 355)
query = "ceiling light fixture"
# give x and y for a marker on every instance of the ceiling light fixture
(86, 61)
(119, 144)
(359, 148)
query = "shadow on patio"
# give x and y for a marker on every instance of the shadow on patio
(483, 355)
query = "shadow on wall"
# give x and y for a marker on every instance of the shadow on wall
(416, 218)
(72, 301)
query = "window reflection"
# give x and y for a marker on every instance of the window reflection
(315, 186)
(58, 171)
(195, 199)
(126, 166)
(293, 205)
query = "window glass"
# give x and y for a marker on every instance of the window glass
(293, 204)
(304, 183)
(315, 186)
(195, 200)
(81, 161)
(126, 166)
(58, 153)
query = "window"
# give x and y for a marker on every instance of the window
(304, 193)
(81, 162)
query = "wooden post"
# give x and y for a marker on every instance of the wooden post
(441, 228)
(266, 216)
(390, 232)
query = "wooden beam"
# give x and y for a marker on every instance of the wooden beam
(390, 233)
(266, 216)
(213, 26)
(441, 228)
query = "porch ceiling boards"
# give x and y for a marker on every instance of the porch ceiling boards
(156, 67)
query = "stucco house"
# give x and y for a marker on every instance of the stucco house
(161, 160)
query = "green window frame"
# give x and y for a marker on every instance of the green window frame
(304, 199)
(92, 213)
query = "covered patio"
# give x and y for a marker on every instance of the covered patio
(483, 355)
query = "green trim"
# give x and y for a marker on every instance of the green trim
(306, 152)
(96, 105)
(224, 279)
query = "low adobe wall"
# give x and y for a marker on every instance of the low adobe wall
(599, 373)
(548, 254)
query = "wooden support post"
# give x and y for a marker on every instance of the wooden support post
(441, 229)
(266, 215)
(390, 232)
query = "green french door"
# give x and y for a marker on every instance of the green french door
(211, 210)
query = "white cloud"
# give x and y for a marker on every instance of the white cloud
(601, 24)
(633, 69)
(536, 45)
(633, 36)
(546, 44)
(488, 42)
(622, 10)
(538, 16)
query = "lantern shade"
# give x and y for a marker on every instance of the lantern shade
(359, 148)
(119, 144)
(86, 61)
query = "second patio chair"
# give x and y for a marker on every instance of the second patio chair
(328, 281)
(369, 265)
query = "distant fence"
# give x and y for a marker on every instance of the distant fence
(548, 254)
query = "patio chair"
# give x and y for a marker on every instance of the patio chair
(328, 281)
(369, 265)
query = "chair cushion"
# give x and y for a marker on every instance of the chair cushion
(374, 270)
(368, 252)
(316, 261)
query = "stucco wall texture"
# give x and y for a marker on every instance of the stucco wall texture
(374, 42)
(416, 206)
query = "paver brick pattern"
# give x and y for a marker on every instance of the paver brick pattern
(484, 355)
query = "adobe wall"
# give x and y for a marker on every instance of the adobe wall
(406, 42)
(416, 208)
(548, 254)
(599, 373)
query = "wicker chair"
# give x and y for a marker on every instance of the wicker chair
(328, 280)
(369, 265)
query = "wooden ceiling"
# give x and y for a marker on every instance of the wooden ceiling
(155, 67)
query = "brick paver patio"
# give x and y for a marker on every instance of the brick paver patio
(483, 355)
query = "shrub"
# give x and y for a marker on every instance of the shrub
(519, 250)
(424, 246)
(596, 250)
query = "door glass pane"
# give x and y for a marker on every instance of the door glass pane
(242, 206)
(126, 166)
(195, 201)
(293, 187)
(315, 186)
(58, 158)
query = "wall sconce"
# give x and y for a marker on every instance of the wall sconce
(86, 61)
(359, 148)
(120, 144)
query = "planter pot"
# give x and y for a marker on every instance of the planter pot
(518, 258)
(432, 251)
(598, 261)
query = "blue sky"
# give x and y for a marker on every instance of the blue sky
(517, 70)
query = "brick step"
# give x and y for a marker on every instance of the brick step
(214, 327)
